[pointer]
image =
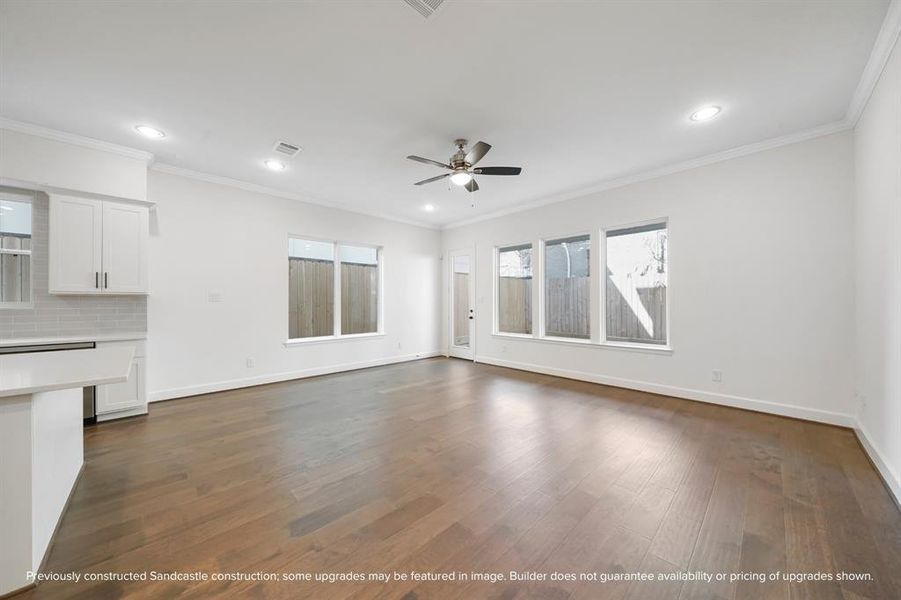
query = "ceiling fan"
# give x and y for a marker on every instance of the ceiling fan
(461, 164)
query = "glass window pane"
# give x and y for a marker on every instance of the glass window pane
(359, 289)
(636, 284)
(15, 247)
(15, 217)
(567, 287)
(361, 255)
(461, 300)
(311, 289)
(15, 278)
(514, 290)
(311, 249)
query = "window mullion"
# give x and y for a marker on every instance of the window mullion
(336, 326)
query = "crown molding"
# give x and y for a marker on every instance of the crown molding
(882, 50)
(261, 189)
(694, 163)
(74, 139)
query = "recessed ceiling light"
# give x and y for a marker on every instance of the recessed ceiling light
(429, 208)
(274, 165)
(705, 113)
(461, 178)
(151, 132)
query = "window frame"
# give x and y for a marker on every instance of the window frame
(28, 196)
(542, 294)
(602, 283)
(496, 310)
(336, 335)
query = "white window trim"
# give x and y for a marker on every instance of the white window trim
(542, 315)
(22, 196)
(496, 302)
(603, 341)
(645, 348)
(336, 324)
(331, 338)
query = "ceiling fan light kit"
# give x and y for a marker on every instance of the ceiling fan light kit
(461, 166)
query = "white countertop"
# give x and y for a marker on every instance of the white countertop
(44, 371)
(71, 339)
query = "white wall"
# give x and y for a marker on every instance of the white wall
(761, 281)
(38, 162)
(207, 237)
(878, 243)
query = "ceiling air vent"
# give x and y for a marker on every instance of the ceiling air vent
(425, 7)
(286, 148)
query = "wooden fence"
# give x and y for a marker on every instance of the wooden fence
(624, 325)
(311, 298)
(514, 296)
(568, 309)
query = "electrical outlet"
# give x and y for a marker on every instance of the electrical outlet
(717, 375)
(249, 362)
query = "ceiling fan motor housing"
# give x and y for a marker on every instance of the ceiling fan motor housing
(458, 160)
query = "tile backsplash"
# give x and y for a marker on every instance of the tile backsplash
(54, 315)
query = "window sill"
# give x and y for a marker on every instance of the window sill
(646, 348)
(331, 338)
(649, 348)
(16, 305)
(517, 336)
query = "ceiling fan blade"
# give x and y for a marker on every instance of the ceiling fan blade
(431, 179)
(429, 161)
(472, 186)
(497, 170)
(477, 152)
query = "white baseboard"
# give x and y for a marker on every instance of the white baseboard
(888, 474)
(231, 384)
(785, 410)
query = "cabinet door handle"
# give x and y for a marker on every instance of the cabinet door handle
(106, 279)
(97, 279)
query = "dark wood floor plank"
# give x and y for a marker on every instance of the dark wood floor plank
(443, 465)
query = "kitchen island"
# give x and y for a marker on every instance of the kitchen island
(42, 446)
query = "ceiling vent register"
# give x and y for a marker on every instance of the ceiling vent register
(286, 148)
(425, 7)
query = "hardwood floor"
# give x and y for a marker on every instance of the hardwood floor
(445, 466)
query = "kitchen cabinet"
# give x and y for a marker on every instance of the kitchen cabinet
(116, 400)
(97, 246)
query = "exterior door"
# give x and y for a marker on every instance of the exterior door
(461, 330)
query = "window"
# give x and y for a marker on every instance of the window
(359, 289)
(15, 249)
(636, 284)
(321, 306)
(514, 289)
(567, 287)
(311, 289)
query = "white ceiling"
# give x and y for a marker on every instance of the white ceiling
(574, 92)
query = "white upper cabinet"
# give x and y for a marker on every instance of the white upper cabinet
(97, 246)
(75, 245)
(125, 232)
